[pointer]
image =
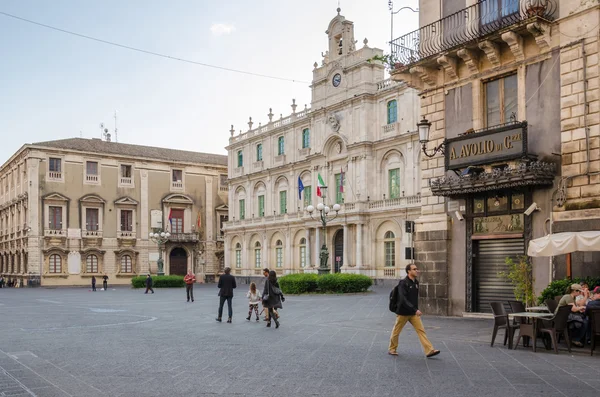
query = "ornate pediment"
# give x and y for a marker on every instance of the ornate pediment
(222, 208)
(178, 198)
(55, 197)
(126, 201)
(92, 199)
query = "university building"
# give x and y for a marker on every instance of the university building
(358, 138)
(75, 208)
(509, 97)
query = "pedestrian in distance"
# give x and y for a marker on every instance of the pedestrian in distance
(405, 300)
(93, 283)
(266, 275)
(272, 297)
(149, 284)
(105, 282)
(253, 300)
(226, 286)
(189, 281)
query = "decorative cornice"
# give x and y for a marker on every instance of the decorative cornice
(541, 32)
(492, 51)
(449, 64)
(515, 42)
(471, 59)
(535, 173)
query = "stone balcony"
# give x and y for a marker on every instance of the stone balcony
(469, 34)
(183, 237)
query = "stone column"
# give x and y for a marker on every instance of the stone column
(359, 244)
(345, 259)
(308, 261)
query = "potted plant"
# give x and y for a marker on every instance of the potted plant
(520, 275)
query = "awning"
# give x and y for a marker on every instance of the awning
(564, 243)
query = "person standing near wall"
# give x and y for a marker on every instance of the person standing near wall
(189, 280)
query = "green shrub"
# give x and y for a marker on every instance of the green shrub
(158, 282)
(559, 287)
(343, 283)
(298, 283)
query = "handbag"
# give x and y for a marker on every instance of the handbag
(265, 297)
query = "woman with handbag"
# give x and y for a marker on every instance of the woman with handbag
(272, 297)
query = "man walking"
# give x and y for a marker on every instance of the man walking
(105, 282)
(93, 283)
(407, 310)
(226, 286)
(148, 284)
(189, 280)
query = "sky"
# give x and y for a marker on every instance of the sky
(54, 85)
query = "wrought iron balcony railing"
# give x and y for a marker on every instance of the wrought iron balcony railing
(475, 22)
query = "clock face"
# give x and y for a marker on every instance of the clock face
(337, 79)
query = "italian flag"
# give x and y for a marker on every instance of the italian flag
(320, 184)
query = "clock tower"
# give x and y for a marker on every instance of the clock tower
(345, 70)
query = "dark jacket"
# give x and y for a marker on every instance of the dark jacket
(148, 282)
(226, 285)
(595, 304)
(408, 297)
(274, 293)
(93, 280)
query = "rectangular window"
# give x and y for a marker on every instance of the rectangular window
(240, 159)
(495, 11)
(303, 256)
(242, 209)
(501, 100)
(261, 205)
(126, 220)
(91, 168)
(238, 259)
(257, 263)
(392, 111)
(177, 175)
(280, 146)
(125, 171)
(259, 152)
(307, 196)
(176, 221)
(305, 138)
(54, 218)
(279, 257)
(55, 165)
(283, 202)
(339, 190)
(394, 183)
(91, 219)
(390, 254)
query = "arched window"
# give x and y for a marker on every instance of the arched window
(126, 264)
(55, 263)
(392, 111)
(390, 249)
(238, 255)
(302, 252)
(257, 263)
(240, 159)
(280, 146)
(91, 264)
(279, 254)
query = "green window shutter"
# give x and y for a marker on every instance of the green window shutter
(280, 146)
(305, 138)
(261, 205)
(394, 183)
(242, 209)
(392, 111)
(283, 202)
(259, 152)
(240, 159)
(339, 196)
(307, 196)
(238, 258)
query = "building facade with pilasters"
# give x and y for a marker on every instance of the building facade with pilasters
(76, 208)
(359, 135)
(509, 91)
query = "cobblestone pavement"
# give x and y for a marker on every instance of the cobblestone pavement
(73, 342)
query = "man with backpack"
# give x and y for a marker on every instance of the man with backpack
(404, 301)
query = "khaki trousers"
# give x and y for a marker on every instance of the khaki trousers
(417, 325)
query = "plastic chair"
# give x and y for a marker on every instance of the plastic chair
(552, 305)
(559, 327)
(501, 322)
(595, 321)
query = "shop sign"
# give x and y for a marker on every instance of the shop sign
(499, 144)
(498, 224)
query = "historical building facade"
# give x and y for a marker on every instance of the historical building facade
(510, 90)
(76, 208)
(359, 139)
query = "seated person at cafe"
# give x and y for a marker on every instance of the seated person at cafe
(593, 304)
(577, 323)
(583, 298)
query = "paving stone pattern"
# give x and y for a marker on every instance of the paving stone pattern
(73, 342)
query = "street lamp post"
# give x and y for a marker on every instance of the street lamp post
(392, 13)
(323, 210)
(424, 126)
(160, 237)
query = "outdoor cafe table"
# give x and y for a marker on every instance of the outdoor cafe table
(538, 309)
(530, 327)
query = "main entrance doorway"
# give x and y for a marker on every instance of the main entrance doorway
(178, 262)
(490, 260)
(338, 250)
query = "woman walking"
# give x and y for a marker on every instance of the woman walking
(272, 297)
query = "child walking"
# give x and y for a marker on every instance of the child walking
(253, 301)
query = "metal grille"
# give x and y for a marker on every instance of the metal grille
(489, 262)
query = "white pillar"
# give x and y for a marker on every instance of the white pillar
(308, 261)
(345, 259)
(318, 246)
(359, 243)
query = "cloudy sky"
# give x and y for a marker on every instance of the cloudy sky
(54, 85)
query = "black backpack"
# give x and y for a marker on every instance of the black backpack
(394, 299)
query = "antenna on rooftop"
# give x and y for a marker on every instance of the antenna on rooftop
(104, 132)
